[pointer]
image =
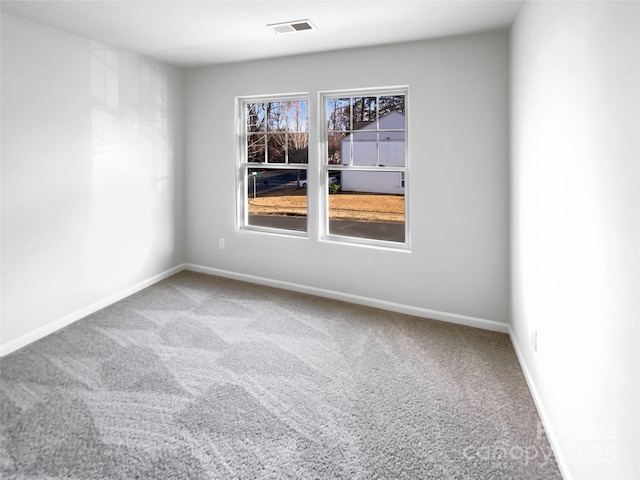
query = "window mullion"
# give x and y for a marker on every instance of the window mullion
(378, 131)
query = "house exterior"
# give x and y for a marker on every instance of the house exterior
(371, 146)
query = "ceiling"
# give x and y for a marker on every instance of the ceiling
(190, 33)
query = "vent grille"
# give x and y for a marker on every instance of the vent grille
(290, 27)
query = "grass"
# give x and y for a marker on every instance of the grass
(364, 207)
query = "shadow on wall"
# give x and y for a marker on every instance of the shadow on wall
(132, 156)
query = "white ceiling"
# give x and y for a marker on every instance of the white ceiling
(185, 32)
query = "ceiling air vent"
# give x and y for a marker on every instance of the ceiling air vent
(290, 27)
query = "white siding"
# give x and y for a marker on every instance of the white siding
(364, 145)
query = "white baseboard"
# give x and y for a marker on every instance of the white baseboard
(37, 334)
(55, 325)
(357, 299)
(542, 412)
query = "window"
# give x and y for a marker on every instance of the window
(273, 164)
(365, 167)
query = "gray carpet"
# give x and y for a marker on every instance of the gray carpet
(200, 377)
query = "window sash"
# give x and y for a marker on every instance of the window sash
(348, 166)
(244, 182)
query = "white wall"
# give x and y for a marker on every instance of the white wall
(575, 226)
(458, 140)
(91, 174)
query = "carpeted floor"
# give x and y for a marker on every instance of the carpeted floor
(200, 377)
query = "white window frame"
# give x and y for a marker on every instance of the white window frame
(243, 165)
(326, 167)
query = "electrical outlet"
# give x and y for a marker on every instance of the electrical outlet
(221, 243)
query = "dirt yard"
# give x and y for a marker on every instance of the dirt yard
(342, 206)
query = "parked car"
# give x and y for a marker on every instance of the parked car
(332, 180)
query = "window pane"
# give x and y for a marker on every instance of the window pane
(365, 147)
(276, 144)
(364, 112)
(367, 205)
(297, 114)
(298, 148)
(275, 200)
(338, 148)
(338, 114)
(255, 147)
(391, 121)
(276, 116)
(256, 113)
(392, 103)
(391, 149)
